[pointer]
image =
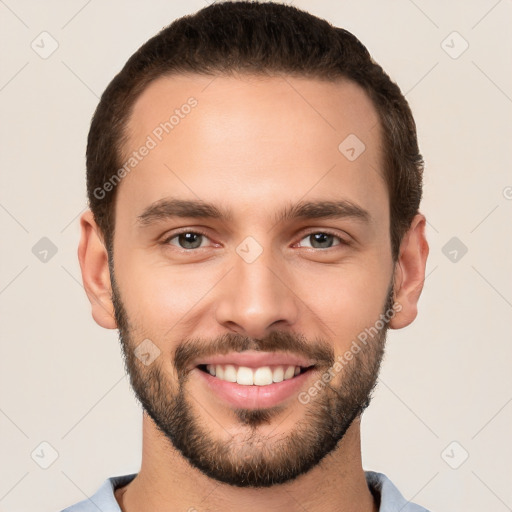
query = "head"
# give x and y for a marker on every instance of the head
(254, 181)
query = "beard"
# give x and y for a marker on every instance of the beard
(251, 458)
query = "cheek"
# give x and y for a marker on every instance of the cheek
(158, 295)
(343, 301)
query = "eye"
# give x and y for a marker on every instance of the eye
(187, 240)
(323, 240)
(190, 240)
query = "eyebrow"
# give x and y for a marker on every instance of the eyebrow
(170, 207)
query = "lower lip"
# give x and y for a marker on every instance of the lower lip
(254, 397)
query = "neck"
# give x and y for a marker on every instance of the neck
(167, 481)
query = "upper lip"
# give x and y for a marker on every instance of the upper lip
(255, 359)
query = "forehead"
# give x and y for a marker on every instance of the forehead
(241, 140)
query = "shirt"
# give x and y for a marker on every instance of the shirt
(380, 485)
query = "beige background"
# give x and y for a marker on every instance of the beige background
(446, 378)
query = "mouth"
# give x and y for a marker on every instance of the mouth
(250, 376)
(257, 383)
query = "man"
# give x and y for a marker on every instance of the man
(254, 181)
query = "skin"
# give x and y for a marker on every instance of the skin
(252, 145)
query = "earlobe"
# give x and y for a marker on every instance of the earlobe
(410, 272)
(93, 258)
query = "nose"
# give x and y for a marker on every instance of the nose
(257, 297)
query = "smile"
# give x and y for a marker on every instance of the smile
(246, 376)
(252, 388)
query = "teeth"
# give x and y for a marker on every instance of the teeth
(229, 373)
(278, 374)
(245, 376)
(263, 376)
(289, 373)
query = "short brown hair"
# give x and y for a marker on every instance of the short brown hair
(262, 38)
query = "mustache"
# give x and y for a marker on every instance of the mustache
(277, 341)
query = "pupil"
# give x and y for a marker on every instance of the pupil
(190, 240)
(323, 239)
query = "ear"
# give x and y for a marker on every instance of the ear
(410, 272)
(93, 258)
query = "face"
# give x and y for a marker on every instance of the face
(250, 247)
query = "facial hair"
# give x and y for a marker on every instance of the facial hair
(252, 459)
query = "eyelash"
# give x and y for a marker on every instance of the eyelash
(342, 241)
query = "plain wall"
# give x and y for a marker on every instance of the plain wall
(446, 378)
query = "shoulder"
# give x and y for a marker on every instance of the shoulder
(103, 499)
(391, 500)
